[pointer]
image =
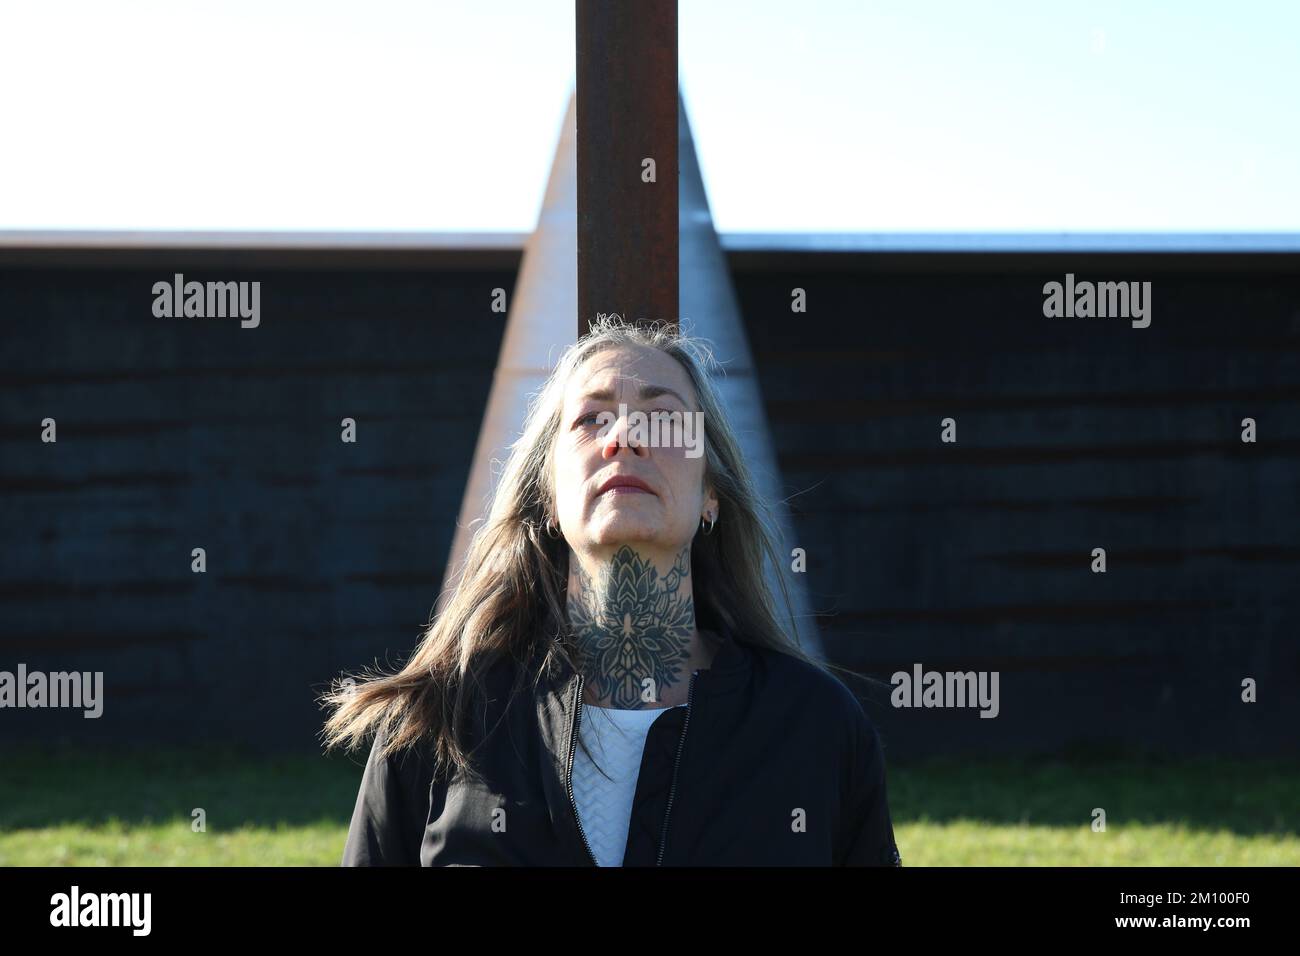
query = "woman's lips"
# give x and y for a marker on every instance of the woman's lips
(624, 483)
(625, 490)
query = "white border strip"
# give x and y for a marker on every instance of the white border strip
(1012, 242)
(848, 242)
(113, 239)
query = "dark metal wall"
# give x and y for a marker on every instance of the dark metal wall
(1073, 433)
(323, 556)
(181, 433)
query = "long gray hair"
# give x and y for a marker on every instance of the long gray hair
(509, 597)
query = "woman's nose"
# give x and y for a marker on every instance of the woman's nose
(621, 436)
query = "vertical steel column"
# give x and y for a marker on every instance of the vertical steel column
(627, 114)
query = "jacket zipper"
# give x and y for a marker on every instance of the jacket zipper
(681, 741)
(568, 774)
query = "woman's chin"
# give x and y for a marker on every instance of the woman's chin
(619, 530)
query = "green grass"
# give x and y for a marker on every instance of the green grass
(135, 809)
(1202, 812)
(92, 809)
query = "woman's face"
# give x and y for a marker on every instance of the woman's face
(592, 448)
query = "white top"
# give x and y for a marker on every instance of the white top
(616, 739)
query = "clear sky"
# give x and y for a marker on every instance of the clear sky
(809, 115)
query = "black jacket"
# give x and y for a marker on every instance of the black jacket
(772, 763)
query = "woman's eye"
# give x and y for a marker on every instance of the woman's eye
(594, 418)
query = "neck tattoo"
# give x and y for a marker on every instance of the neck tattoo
(633, 628)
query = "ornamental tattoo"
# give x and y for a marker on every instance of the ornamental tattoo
(631, 625)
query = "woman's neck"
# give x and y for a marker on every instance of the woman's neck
(634, 625)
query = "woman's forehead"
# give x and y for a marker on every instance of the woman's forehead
(619, 368)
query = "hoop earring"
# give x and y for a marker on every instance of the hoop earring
(712, 523)
(552, 531)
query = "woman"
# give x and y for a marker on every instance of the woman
(608, 683)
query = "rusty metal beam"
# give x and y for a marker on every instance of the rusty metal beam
(627, 114)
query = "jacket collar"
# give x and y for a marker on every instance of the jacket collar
(556, 703)
(730, 667)
(731, 663)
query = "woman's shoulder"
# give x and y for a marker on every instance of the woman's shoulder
(816, 687)
(492, 683)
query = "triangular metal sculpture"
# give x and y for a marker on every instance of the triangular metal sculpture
(542, 320)
(710, 311)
